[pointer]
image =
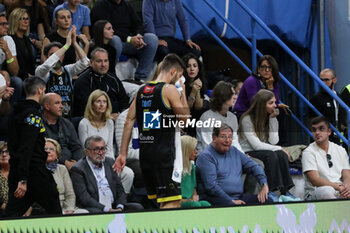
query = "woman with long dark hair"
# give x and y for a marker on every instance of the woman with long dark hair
(196, 87)
(196, 84)
(266, 76)
(258, 136)
(103, 33)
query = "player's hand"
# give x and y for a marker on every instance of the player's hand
(119, 163)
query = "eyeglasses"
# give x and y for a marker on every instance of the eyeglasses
(24, 18)
(266, 68)
(327, 79)
(4, 151)
(222, 137)
(330, 163)
(4, 24)
(50, 149)
(98, 149)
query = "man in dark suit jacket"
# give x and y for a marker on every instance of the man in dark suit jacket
(97, 187)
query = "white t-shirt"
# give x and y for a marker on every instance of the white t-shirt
(12, 47)
(315, 159)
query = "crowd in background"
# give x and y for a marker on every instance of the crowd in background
(73, 47)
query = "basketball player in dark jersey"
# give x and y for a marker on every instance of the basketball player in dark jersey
(157, 107)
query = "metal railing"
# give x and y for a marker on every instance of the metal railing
(255, 52)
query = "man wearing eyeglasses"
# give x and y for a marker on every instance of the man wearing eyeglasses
(325, 165)
(97, 187)
(219, 170)
(328, 106)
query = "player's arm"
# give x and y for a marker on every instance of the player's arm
(128, 126)
(177, 103)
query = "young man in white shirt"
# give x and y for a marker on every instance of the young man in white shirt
(325, 165)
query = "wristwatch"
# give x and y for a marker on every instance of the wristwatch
(23, 181)
(263, 184)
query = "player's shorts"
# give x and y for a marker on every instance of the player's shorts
(160, 186)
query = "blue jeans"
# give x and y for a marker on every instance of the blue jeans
(17, 84)
(145, 55)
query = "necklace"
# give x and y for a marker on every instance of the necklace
(98, 125)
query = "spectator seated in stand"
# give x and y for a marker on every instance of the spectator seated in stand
(63, 22)
(97, 187)
(98, 77)
(222, 99)
(325, 165)
(8, 58)
(61, 130)
(159, 18)
(328, 106)
(4, 172)
(80, 16)
(238, 85)
(103, 34)
(39, 21)
(129, 38)
(59, 78)
(189, 194)
(219, 170)
(266, 76)
(61, 177)
(258, 136)
(196, 88)
(19, 31)
(98, 121)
